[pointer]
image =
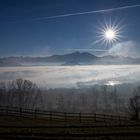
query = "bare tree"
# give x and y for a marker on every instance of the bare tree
(83, 101)
(116, 99)
(60, 103)
(95, 98)
(113, 98)
(104, 90)
(69, 102)
(134, 104)
(24, 93)
(2, 93)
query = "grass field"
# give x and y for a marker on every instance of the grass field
(12, 127)
(19, 123)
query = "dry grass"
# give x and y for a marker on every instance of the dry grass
(46, 129)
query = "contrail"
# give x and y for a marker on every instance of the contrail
(89, 12)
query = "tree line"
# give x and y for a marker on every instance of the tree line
(99, 99)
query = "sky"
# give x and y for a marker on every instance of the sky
(26, 30)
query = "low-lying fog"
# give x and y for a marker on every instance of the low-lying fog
(73, 76)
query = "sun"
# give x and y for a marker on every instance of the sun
(112, 83)
(110, 34)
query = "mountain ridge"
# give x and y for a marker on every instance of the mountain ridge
(75, 58)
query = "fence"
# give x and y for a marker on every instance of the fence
(60, 116)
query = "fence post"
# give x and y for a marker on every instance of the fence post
(119, 119)
(65, 116)
(20, 111)
(111, 118)
(7, 110)
(50, 115)
(104, 117)
(35, 114)
(80, 116)
(95, 117)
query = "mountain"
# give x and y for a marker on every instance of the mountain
(8, 62)
(76, 58)
(72, 57)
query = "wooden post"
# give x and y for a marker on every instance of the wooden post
(7, 110)
(65, 116)
(20, 112)
(35, 114)
(80, 116)
(104, 118)
(111, 118)
(50, 115)
(95, 117)
(119, 119)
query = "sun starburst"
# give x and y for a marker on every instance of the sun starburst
(108, 34)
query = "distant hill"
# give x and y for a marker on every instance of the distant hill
(8, 62)
(76, 58)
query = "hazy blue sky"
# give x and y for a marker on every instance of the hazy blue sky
(22, 33)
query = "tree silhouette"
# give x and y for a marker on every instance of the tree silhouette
(24, 93)
(104, 90)
(134, 104)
